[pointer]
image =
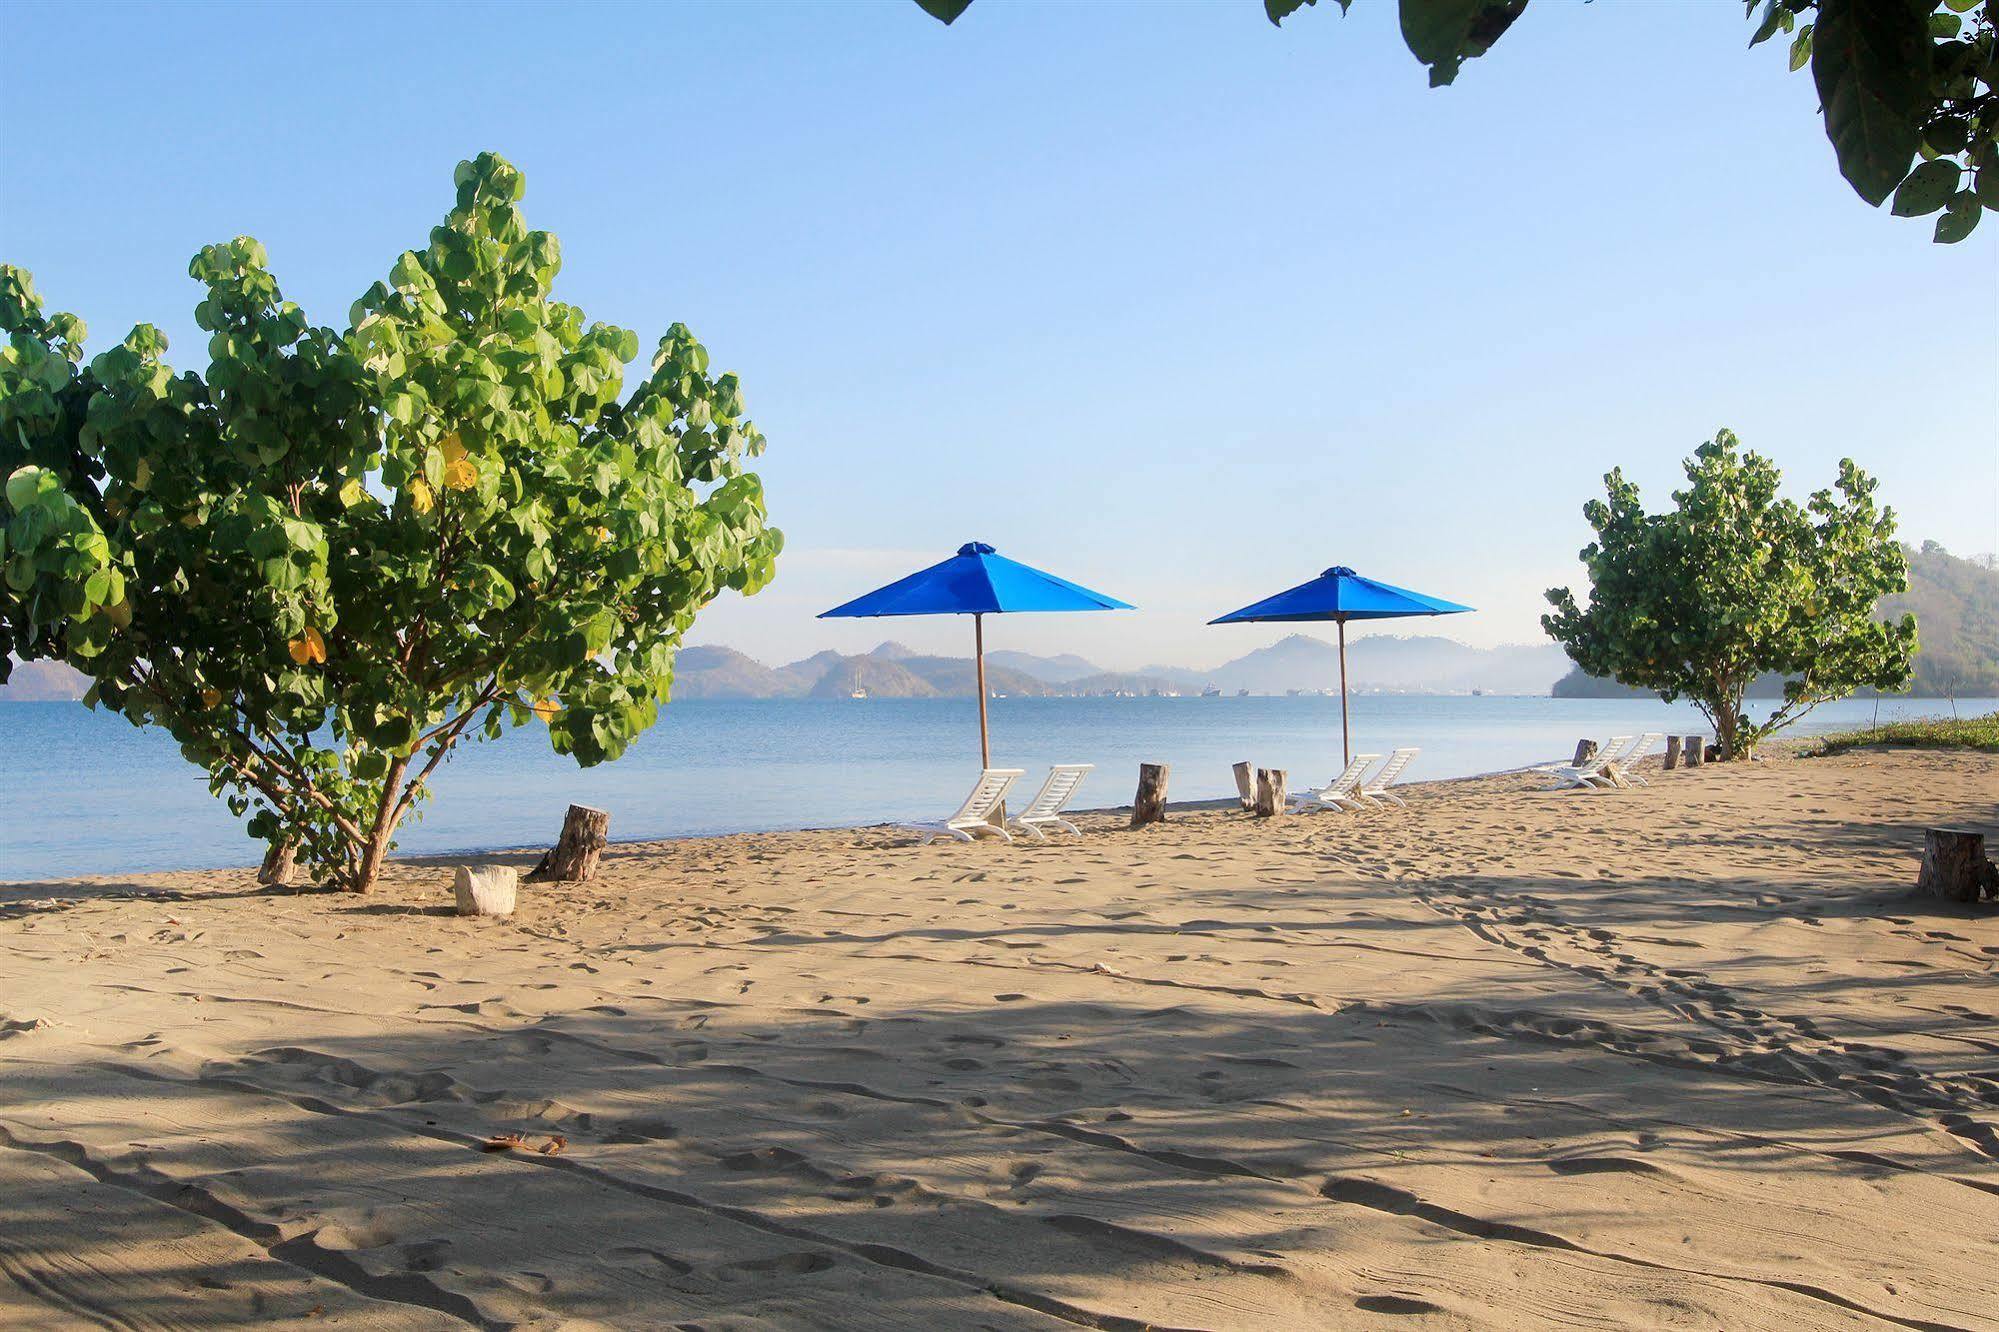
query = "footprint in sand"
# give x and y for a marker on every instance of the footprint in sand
(783, 1264)
(632, 1255)
(1602, 1165)
(1395, 1304)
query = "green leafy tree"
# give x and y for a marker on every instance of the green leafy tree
(333, 557)
(1734, 581)
(1907, 86)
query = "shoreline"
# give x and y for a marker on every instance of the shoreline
(1209, 805)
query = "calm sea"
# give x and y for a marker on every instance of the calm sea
(86, 793)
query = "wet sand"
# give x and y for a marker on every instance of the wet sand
(1685, 1056)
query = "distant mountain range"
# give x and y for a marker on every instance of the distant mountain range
(1301, 662)
(1956, 605)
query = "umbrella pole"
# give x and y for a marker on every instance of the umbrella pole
(979, 651)
(1346, 741)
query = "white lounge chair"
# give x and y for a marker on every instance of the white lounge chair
(1590, 772)
(1343, 793)
(1622, 770)
(1045, 810)
(1376, 787)
(973, 818)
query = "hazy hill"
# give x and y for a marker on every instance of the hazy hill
(1412, 664)
(43, 682)
(1956, 605)
(722, 672)
(1419, 664)
(1054, 670)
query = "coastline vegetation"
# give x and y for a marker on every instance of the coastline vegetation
(1980, 733)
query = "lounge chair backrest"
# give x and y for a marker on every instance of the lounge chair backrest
(1613, 749)
(1350, 778)
(985, 797)
(1063, 779)
(1392, 769)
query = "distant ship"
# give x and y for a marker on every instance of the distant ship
(1242, 693)
(858, 693)
(1211, 691)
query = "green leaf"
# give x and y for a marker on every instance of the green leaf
(944, 10)
(1279, 10)
(1801, 48)
(1959, 219)
(1987, 187)
(1928, 188)
(1443, 34)
(1870, 60)
(24, 485)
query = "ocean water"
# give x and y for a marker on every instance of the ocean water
(83, 792)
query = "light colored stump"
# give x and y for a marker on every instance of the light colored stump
(280, 864)
(1672, 758)
(1954, 865)
(1149, 805)
(1585, 751)
(1269, 792)
(585, 831)
(1690, 753)
(1245, 785)
(486, 892)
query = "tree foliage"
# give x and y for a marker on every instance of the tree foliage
(1909, 88)
(332, 557)
(1734, 581)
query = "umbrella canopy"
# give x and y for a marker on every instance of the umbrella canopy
(976, 582)
(1339, 594)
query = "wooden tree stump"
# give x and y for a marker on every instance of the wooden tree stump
(1269, 792)
(1690, 753)
(1672, 758)
(1954, 865)
(1585, 751)
(280, 864)
(1149, 805)
(1245, 785)
(574, 856)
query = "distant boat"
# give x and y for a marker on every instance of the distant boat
(858, 693)
(1212, 691)
(1478, 693)
(1242, 693)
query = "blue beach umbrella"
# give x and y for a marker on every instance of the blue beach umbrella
(978, 583)
(1339, 594)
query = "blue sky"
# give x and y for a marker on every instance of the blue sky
(1178, 304)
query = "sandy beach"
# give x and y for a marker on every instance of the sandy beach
(1685, 1056)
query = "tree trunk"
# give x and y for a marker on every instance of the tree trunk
(1269, 792)
(1726, 723)
(1691, 754)
(280, 864)
(1245, 786)
(1672, 758)
(1954, 865)
(387, 815)
(1585, 751)
(1149, 805)
(585, 831)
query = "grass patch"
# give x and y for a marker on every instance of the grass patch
(1933, 733)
